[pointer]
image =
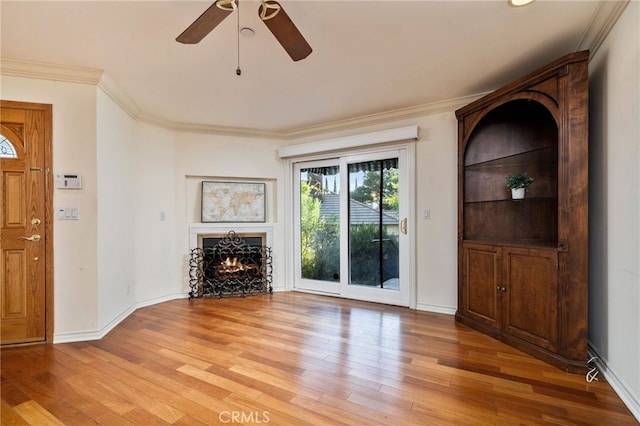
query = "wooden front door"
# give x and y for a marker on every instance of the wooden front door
(25, 221)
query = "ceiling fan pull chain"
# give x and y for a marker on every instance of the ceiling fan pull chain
(238, 70)
(274, 6)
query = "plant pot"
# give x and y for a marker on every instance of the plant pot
(517, 193)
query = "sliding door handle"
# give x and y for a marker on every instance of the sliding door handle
(403, 226)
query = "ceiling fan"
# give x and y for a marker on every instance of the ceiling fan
(270, 12)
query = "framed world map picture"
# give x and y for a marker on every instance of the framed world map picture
(233, 202)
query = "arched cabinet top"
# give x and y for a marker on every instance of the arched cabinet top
(546, 80)
(537, 101)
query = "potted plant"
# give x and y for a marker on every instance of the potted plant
(518, 184)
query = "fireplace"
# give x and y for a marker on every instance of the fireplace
(230, 265)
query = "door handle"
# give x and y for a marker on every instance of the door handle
(34, 237)
(403, 226)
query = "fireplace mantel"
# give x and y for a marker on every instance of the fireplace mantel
(197, 231)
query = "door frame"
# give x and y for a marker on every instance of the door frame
(401, 297)
(47, 110)
(410, 186)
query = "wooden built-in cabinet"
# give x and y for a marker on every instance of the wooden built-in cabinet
(522, 264)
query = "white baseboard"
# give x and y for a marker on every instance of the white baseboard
(448, 310)
(629, 399)
(83, 336)
(157, 300)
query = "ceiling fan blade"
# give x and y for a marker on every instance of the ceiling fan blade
(284, 30)
(205, 23)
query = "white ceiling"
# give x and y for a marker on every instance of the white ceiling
(369, 57)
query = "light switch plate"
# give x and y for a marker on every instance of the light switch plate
(67, 213)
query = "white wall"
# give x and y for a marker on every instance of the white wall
(75, 242)
(156, 276)
(116, 144)
(614, 288)
(437, 190)
(209, 157)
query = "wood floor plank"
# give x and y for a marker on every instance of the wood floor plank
(222, 382)
(276, 411)
(137, 396)
(294, 359)
(34, 414)
(8, 416)
(96, 406)
(46, 400)
(92, 389)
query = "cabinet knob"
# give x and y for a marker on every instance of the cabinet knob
(503, 289)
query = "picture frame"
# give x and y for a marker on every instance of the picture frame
(233, 202)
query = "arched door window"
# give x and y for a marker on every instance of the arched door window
(6, 148)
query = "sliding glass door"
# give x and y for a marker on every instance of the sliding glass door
(317, 219)
(351, 227)
(374, 224)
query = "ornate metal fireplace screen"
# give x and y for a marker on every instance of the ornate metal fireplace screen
(230, 268)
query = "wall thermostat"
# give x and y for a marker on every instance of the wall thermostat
(68, 181)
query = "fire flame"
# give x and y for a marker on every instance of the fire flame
(233, 265)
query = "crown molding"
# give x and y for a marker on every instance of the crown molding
(602, 21)
(228, 131)
(41, 70)
(206, 128)
(372, 138)
(382, 117)
(111, 88)
(103, 80)
(318, 129)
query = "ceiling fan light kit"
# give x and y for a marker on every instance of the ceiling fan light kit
(269, 9)
(229, 5)
(270, 12)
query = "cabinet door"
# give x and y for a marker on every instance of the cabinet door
(482, 275)
(530, 298)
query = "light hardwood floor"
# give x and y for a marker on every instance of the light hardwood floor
(294, 359)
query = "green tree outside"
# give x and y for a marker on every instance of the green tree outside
(320, 242)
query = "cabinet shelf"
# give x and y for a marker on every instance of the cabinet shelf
(515, 243)
(509, 200)
(516, 159)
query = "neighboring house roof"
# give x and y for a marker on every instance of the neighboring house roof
(361, 213)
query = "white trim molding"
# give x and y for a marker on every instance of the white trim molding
(437, 309)
(203, 230)
(44, 71)
(601, 23)
(83, 336)
(616, 383)
(400, 134)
